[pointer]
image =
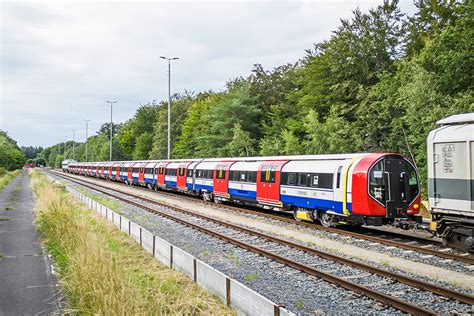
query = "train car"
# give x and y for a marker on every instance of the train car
(451, 180)
(65, 164)
(357, 189)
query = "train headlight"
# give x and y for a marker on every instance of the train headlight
(416, 206)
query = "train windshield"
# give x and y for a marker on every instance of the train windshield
(377, 183)
(393, 179)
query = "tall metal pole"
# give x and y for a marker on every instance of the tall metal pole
(111, 126)
(169, 101)
(65, 140)
(87, 129)
(74, 144)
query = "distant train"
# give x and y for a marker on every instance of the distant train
(351, 189)
(451, 180)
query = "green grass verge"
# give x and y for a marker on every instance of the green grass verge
(6, 178)
(103, 271)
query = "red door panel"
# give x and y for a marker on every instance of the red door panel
(221, 178)
(161, 173)
(141, 174)
(181, 175)
(117, 172)
(268, 181)
(129, 174)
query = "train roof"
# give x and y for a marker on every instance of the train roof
(457, 119)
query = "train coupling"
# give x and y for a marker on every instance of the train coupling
(406, 223)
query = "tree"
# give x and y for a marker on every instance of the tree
(242, 144)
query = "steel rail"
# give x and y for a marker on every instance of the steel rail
(388, 242)
(450, 256)
(368, 292)
(464, 298)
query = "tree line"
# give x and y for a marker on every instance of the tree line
(379, 83)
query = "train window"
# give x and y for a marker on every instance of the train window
(263, 174)
(233, 175)
(272, 174)
(338, 178)
(252, 176)
(135, 169)
(377, 183)
(412, 180)
(288, 178)
(181, 171)
(220, 172)
(315, 180)
(302, 179)
(325, 180)
(208, 174)
(190, 172)
(243, 176)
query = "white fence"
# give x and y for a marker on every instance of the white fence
(233, 293)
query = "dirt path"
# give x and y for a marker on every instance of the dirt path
(27, 286)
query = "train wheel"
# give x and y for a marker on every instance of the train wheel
(325, 219)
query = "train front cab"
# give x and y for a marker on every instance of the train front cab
(385, 190)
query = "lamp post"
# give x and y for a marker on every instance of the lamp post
(169, 59)
(111, 124)
(87, 129)
(74, 144)
(65, 142)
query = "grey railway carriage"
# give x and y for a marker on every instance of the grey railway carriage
(65, 164)
(450, 180)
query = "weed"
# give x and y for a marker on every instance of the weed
(300, 304)
(385, 263)
(205, 253)
(5, 218)
(234, 257)
(251, 276)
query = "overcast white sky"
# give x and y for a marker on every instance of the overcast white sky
(60, 62)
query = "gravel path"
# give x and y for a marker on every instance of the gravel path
(27, 285)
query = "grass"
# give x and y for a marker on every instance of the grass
(251, 276)
(103, 271)
(6, 178)
(300, 304)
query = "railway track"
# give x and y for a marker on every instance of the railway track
(264, 245)
(420, 245)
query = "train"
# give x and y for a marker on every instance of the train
(450, 150)
(338, 189)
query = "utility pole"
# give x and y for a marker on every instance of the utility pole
(111, 126)
(74, 144)
(169, 59)
(87, 129)
(65, 140)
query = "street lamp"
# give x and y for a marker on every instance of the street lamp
(65, 142)
(111, 124)
(74, 144)
(169, 59)
(87, 129)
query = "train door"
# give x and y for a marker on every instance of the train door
(161, 174)
(396, 180)
(181, 176)
(110, 171)
(221, 178)
(268, 182)
(117, 171)
(141, 174)
(130, 173)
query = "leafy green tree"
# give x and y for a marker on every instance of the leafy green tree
(242, 143)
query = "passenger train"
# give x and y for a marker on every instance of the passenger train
(351, 189)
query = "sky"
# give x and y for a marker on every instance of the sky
(61, 61)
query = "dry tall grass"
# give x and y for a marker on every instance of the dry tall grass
(103, 271)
